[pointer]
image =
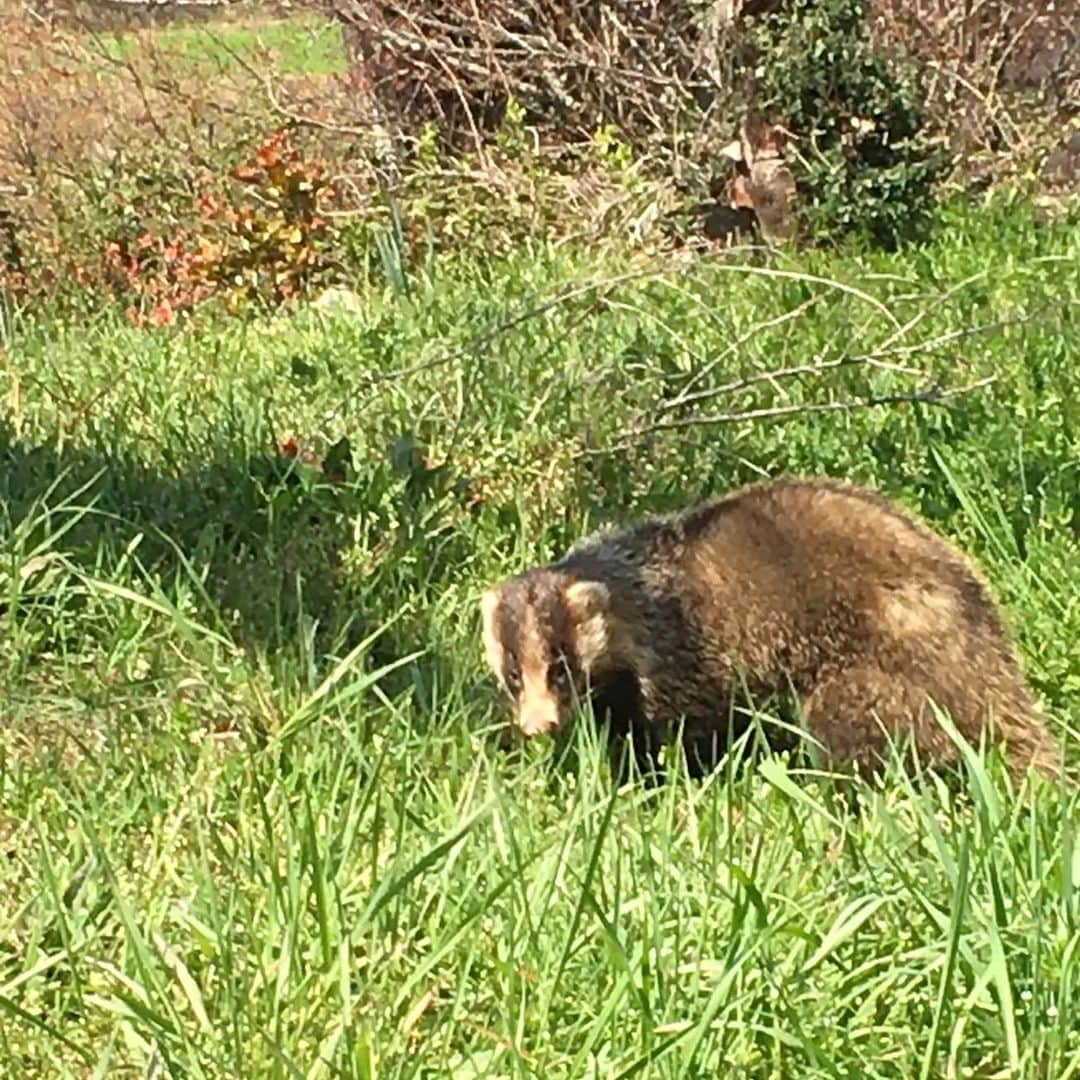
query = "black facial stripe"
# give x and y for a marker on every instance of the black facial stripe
(556, 627)
(508, 630)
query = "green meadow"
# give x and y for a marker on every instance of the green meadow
(294, 46)
(256, 819)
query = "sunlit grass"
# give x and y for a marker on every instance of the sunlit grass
(254, 820)
(295, 46)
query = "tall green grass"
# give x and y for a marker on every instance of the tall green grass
(254, 820)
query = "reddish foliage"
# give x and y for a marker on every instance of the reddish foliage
(115, 175)
(261, 242)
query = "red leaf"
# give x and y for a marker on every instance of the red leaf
(267, 156)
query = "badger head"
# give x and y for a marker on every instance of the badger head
(545, 632)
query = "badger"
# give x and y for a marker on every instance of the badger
(816, 592)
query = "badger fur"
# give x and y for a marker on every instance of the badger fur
(807, 588)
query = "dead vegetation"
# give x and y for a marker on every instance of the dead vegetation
(486, 124)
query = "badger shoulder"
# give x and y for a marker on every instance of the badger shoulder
(790, 524)
(771, 557)
(806, 503)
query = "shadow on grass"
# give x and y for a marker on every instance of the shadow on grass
(261, 537)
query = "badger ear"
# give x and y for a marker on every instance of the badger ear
(587, 599)
(588, 605)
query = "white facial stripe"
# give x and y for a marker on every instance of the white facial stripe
(493, 649)
(539, 708)
(538, 705)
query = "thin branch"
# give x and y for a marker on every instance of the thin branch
(485, 338)
(816, 368)
(265, 79)
(965, 332)
(875, 360)
(931, 395)
(734, 346)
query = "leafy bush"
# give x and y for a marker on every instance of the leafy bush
(675, 81)
(120, 165)
(862, 163)
(262, 243)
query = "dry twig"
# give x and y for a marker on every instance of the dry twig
(934, 394)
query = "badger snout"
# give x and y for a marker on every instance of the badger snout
(541, 719)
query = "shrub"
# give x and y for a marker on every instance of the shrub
(862, 162)
(571, 66)
(262, 243)
(675, 81)
(997, 70)
(119, 160)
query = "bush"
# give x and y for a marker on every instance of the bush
(263, 243)
(117, 158)
(862, 163)
(675, 81)
(998, 70)
(572, 66)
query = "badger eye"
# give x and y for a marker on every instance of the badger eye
(512, 676)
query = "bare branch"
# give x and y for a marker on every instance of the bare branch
(604, 285)
(798, 370)
(265, 79)
(931, 395)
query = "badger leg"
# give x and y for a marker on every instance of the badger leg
(854, 712)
